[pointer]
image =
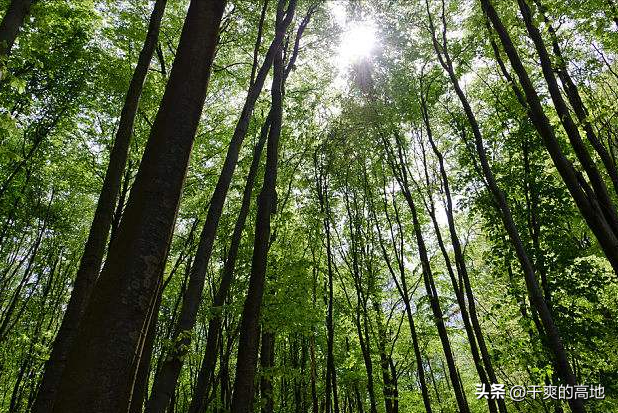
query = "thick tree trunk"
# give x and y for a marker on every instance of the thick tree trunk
(102, 362)
(266, 204)
(11, 23)
(168, 376)
(94, 250)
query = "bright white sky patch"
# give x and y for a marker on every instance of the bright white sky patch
(357, 41)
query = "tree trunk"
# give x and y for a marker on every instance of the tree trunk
(596, 180)
(140, 389)
(582, 193)
(267, 362)
(569, 176)
(402, 288)
(102, 362)
(469, 315)
(385, 359)
(577, 103)
(11, 23)
(94, 249)
(214, 325)
(331, 375)
(266, 206)
(168, 376)
(534, 290)
(399, 169)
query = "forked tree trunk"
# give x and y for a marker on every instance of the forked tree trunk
(399, 277)
(103, 360)
(469, 316)
(533, 288)
(583, 194)
(331, 395)
(399, 167)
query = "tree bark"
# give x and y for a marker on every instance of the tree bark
(168, 376)
(94, 249)
(582, 193)
(11, 23)
(214, 326)
(388, 381)
(102, 362)
(266, 205)
(267, 361)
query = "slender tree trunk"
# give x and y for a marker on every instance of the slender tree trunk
(469, 315)
(94, 250)
(582, 193)
(266, 206)
(214, 326)
(140, 389)
(430, 207)
(356, 253)
(402, 288)
(532, 285)
(577, 103)
(102, 362)
(11, 23)
(596, 180)
(168, 376)
(205, 376)
(385, 359)
(331, 375)
(399, 167)
(314, 393)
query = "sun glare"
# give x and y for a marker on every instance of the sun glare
(357, 41)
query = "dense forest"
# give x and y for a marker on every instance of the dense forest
(308, 206)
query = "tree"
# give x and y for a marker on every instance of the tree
(129, 281)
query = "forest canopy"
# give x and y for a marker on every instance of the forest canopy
(308, 206)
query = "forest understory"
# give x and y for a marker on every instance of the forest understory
(308, 206)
